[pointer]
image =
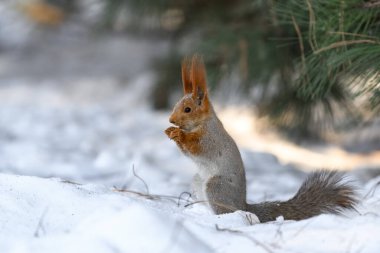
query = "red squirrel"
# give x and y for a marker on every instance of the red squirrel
(220, 180)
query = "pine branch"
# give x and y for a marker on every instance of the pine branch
(371, 4)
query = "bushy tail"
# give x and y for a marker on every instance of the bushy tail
(322, 192)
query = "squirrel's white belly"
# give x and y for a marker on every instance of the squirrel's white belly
(206, 170)
(199, 188)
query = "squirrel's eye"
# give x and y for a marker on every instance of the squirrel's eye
(187, 109)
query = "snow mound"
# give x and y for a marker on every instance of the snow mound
(51, 215)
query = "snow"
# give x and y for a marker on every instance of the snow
(51, 215)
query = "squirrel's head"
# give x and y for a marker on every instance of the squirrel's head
(194, 108)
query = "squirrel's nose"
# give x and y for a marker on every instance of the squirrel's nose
(171, 119)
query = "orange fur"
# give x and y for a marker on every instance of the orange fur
(198, 76)
(187, 142)
(189, 130)
(186, 80)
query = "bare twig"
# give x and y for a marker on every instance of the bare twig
(179, 228)
(301, 229)
(148, 196)
(300, 41)
(180, 197)
(302, 48)
(279, 231)
(341, 24)
(372, 191)
(195, 202)
(355, 35)
(257, 242)
(371, 4)
(113, 248)
(350, 243)
(249, 219)
(312, 36)
(40, 225)
(142, 180)
(345, 43)
(243, 59)
(70, 182)
(370, 213)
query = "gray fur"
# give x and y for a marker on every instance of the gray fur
(221, 194)
(322, 192)
(220, 160)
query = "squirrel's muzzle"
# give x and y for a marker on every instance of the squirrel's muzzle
(171, 120)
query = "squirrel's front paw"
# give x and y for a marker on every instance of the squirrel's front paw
(169, 130)
(174, 133)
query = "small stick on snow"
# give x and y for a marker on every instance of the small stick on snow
(195, 202)
(372, 191)
(142, 180)
(40, 225)
(180, 197)
(257, 242)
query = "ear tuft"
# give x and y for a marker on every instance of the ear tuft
(198, 77)
(186, 78)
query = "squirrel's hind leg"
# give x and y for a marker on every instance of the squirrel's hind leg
(222, 196)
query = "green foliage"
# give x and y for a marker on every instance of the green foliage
(318, 55)
(340, 39)
(339, 45)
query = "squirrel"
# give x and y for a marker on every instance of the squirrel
(221, 181)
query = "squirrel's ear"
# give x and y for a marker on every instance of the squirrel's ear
(186, 79)
(198, 78)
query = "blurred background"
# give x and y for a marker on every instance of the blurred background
(299, 79)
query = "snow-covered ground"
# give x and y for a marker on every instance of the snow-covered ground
(90, 170)
(50, 215)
